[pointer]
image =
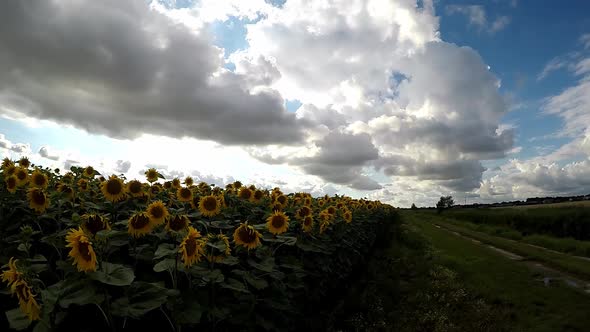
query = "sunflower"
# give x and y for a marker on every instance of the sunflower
(282, 199)
(258, 194)
(331, 210)
(22, 176)
(323, 226)
(6, 162)
(246, 236)
(88, 172)
(9, 170)
(93, 223)
(209, 206)
(113, 189)
(68, 177)
(38, 200)
(11, 275)
(101, 179)
(67, 190)
(167, 185)
(370, 206)
(135, 188)
(82, 252)
(191, 247)
(176, 183)
(347, 215)
(157, 212)
(217, 248)
(11, 182)
(139, 224)
(276, 207)
(152, 175)
(82, 184)
(303, 212)
(155, 189)
(321, 203)
(184, 194)
(237, 184)
(277, 223)
(26, 299)
(245, 193)
(177, 223)
(188, 181)
(307, 224)
(24, 162)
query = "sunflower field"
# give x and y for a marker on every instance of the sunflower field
(84, 252)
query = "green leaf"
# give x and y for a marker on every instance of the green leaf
(235, 285)
(142, 297)
(166, 264)
(113, 274)
(165, 249)
(230, 260)
(267, 265)
(17, 319)
(253, 280)
(191, 313)
(81, 292)
(214, 276)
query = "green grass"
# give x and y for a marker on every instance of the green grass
(573, 265)
(501, 280)
(565, 245)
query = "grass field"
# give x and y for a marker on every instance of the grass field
(533, 306)
(550, 205)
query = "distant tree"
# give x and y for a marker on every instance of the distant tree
(414, 207)
(445, 203)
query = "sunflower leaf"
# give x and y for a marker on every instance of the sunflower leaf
(142, 297)
(166, 264)
(79, 293)
(113, 274)
(267, 265)
(17, 319)
(165, 249)
(236, 285)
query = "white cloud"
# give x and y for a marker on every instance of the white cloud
(46, 152)
(478, 18)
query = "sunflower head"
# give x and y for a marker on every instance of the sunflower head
(347, 216)
(82, 252)
(24, 162)
(167, 185)
(157, 212)
(303, 212)
(217, 247)
(155, 189)
(176, 183)
(22, 176)
(113, 189)
(6, 162)
(11, 184)
(88, 172)
(139, 224)
(237, 185)
(191, 247)
(152, 175)
(135, 188)
(209, 205)
(177, 223)
(68, 177)
(282, 199)
(82, 185)
(66, 190)
(93, 223)
(26, 299)
(370, 206)
(324, 226)
(245, 193)
(188, 181)
(9, 170)
(38, 199)
(184, 194)
(307, 224)
(257, 196)
(101, 179)
(247, 237)
(11, 275)
(276, 207)
(331, 210)
(277, 223)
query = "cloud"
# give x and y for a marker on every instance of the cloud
(585, 40)
(46, 152)
(4, 143)
(478, 18)
(123, 166)
(122, 69)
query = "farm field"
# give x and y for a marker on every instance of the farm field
(79, 249)
(585, 203)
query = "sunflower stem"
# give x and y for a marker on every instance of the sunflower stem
(168, 319)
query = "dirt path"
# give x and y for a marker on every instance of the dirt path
(547, 275)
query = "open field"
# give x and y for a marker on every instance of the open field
(549, 205)
(532, 306)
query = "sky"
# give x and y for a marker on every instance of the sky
(395, 100)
